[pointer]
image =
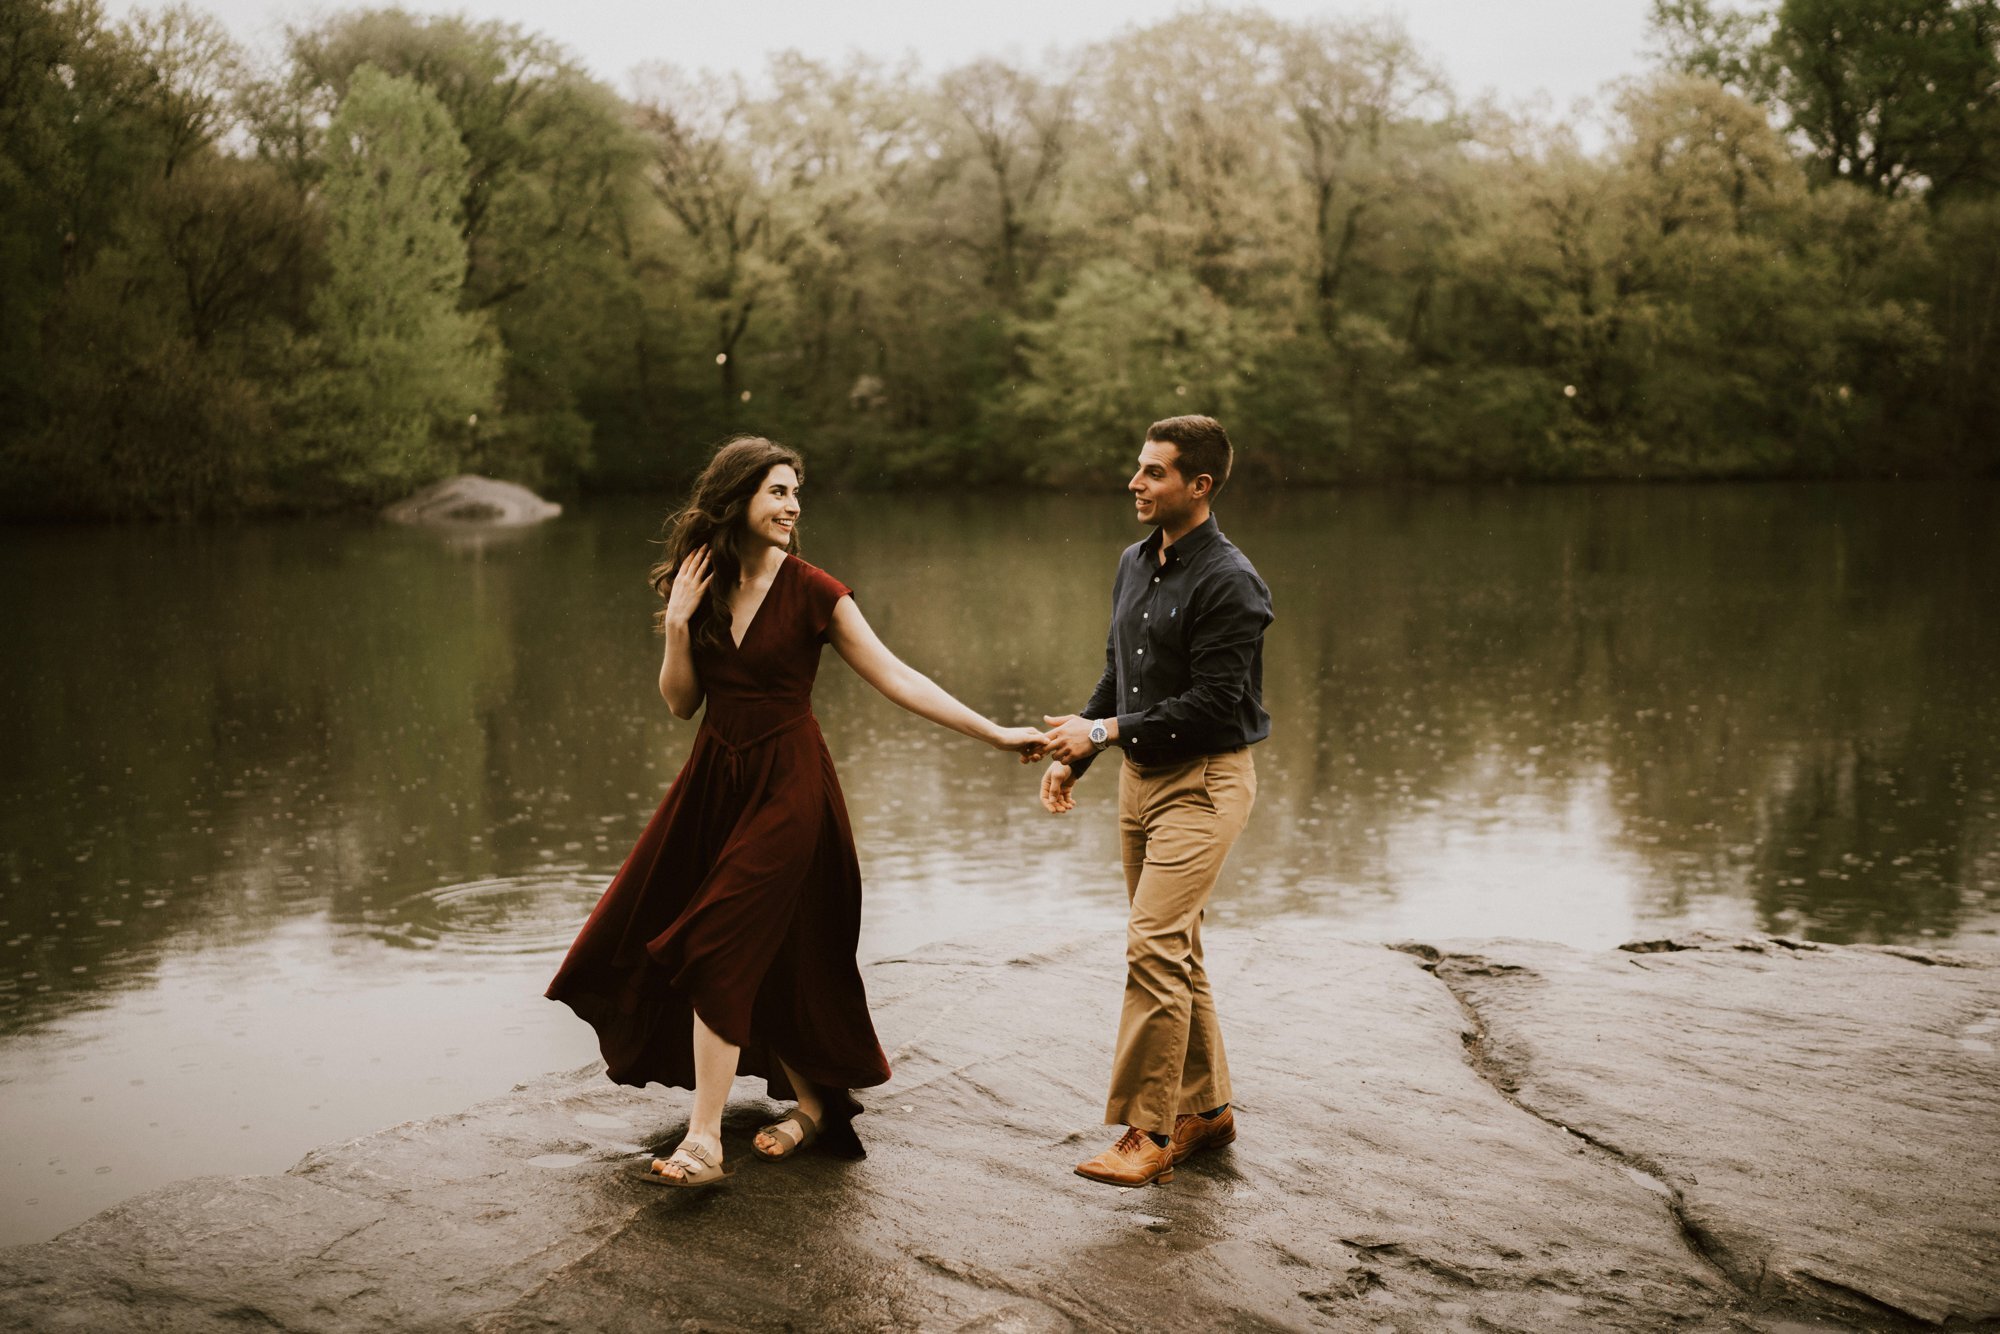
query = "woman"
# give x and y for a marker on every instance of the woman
(726, 942)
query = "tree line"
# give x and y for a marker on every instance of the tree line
(418, 245)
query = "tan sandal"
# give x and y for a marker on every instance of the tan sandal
(808, 1131)
(697, 1168)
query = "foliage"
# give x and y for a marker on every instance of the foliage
(1783, 259)
(404, 373)
(550, 178)
(1894, 95)
(141, 270)
(1119, 345)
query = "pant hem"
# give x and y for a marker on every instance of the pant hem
(1213, 1098)
(1138, 1121)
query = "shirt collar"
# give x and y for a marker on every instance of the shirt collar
(1191, 543)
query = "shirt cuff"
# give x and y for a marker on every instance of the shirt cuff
(1128, 726)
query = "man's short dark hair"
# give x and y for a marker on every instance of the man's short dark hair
(1203, 445)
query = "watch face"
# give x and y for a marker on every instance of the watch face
(1098, 734)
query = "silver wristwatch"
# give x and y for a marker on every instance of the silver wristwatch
(1098, 736)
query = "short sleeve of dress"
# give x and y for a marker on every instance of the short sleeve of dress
(823, 594)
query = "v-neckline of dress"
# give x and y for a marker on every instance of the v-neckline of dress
(769, 589)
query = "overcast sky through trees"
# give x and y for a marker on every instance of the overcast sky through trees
(1564, 49)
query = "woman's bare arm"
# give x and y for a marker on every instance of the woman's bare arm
(856, 642)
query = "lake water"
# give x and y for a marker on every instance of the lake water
(298, 817)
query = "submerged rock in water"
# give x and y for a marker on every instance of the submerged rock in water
(470, 499)
(1731, 1134)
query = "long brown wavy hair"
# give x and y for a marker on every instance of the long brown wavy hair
(713, 516)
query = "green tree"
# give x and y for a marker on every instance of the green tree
(1892, 92)
(1376, 150)
(1020, 128)
(66, 160)
(855, 144)
(1962, 285)
(706, 176)
(796, 216)
(1192, 170)
(1354, 94)
(234, 234)
(552, 177)
(192, 73)
(1121, 348)
(142, 337)
(406, 372)
(1893, 95)
(1725, 45)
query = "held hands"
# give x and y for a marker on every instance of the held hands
(690, 586)
(1031, 745)
(1026, 742)
(1068, 739)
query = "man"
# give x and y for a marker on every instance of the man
(1182, 696)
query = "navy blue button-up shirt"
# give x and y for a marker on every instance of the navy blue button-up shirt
(1184, 662)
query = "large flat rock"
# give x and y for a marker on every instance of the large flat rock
(1827, 1118)
(1403, 1165)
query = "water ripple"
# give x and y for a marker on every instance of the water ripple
(510, 914)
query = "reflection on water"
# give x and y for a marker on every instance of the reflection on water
(293, 810)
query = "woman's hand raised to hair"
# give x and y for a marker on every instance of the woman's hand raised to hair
(690, 586)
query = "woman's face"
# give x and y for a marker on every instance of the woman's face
(774, 509)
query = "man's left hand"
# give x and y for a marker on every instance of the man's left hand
(1069, 738)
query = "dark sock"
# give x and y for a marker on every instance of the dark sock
(1160, 1140)
(1214, 1112)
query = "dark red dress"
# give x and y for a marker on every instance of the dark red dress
(742, 900)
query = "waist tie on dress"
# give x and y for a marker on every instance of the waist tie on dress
(734, 751)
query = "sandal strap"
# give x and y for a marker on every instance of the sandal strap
(696, 1152)
(806, 1127)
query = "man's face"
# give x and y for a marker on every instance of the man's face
(1160, 495)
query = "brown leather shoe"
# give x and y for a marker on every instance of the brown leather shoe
(1133, 1161)
(1192, 1134)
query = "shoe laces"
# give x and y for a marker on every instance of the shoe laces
(1132, 1139)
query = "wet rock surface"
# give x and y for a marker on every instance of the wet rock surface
(1759, 1136)
(1828, 1119)
(471, 501)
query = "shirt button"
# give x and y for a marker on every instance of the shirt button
(1142, 653)
(1135, 690)
(1145, 615)
(1156, 578)
(1173, 736)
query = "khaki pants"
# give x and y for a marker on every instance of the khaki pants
(1177, 824)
